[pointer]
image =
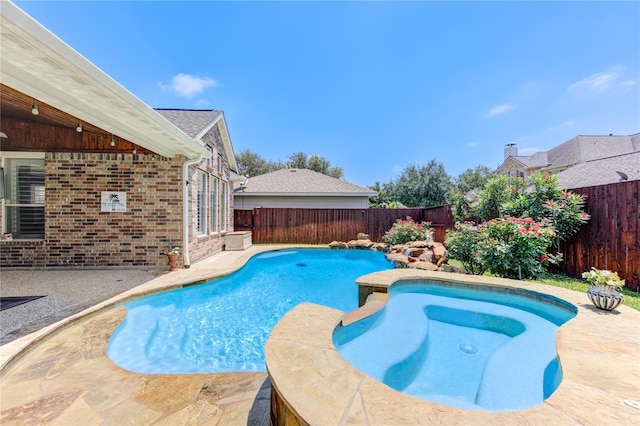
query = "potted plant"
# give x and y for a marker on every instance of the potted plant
(604, 288)
(172, 254)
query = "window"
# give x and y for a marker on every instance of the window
(24, 204)
(219, 163)
(202, 202)
(209, 160)
(213, 196)
(223, 207)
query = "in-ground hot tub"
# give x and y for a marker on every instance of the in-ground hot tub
(490, 349)
(312, 383)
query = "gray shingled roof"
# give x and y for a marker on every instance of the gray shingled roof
(588, 148)
(300, 182)
(601, 172)
(190, 121)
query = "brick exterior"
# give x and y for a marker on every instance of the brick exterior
(79, 234)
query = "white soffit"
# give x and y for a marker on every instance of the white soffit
(35, 62)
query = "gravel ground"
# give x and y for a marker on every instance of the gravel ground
(66, 291)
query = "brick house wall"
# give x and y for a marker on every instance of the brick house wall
(79, 234)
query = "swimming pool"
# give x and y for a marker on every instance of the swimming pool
(471, 349)
(222, 325)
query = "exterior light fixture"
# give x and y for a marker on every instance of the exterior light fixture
(79, 128)
(34, 108)
(3, 135)
(113, 141)
(135, 149)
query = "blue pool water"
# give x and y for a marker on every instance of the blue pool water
(460, 347)
(223, 325)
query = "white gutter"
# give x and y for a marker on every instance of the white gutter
(185, 209)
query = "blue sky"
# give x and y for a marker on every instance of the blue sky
(373, 86)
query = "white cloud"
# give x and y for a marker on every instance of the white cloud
(188, 86)
(603, 81)
(473, 144)
(500, 109)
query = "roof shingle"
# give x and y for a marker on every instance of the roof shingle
(300, 182)
(190, 121)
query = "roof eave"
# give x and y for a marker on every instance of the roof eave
(221, 121)
(36, 62)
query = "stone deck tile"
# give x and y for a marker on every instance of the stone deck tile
(61, 374)
(599, 352)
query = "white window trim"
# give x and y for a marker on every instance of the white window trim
(216, 230)
(206, 203)
(18, 155)
(223, 224)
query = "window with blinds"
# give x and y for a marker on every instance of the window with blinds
(223, 207)
(24, 204)
(202, 202)
(213, 196)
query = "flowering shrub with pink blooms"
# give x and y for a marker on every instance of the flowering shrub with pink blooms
(508, 247)
(517, 248)
(405, 231)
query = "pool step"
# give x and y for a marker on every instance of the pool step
(375, 301)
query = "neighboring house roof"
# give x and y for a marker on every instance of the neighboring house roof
(37, 63)
(578, 150)
(588, 148)
(300, 182)
(601, 172)
(197, 122)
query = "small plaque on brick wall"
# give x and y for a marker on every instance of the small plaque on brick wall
(113, 201)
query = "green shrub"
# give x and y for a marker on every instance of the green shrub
(516, 248)
(404, 231)
(464, 245)
(508, 247)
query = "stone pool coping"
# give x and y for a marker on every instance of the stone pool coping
(214, 266)
(61, 374)
(311, 383)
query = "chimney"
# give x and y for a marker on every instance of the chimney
(510, 150)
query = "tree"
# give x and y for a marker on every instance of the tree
(251, 164)
(424, 186)
(384, 199)
(472, 179)
(315, 162)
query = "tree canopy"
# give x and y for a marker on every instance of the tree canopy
(472, 179)
(251, 164)
(417, 186)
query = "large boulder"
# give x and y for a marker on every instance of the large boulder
(335, 245)
(427, 266)
(360, 244)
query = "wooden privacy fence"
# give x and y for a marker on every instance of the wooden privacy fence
(321, 226)
(611, 239)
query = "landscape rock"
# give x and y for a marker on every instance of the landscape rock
(383, 247)
(427, 266)
(418, 244)
(338, 245)
(360, 244)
